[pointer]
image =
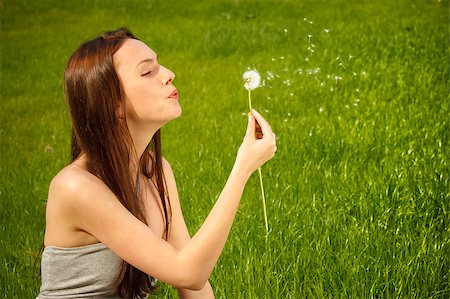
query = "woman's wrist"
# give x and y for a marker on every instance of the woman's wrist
(240, 171)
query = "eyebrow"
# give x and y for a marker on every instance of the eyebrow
(151, 60)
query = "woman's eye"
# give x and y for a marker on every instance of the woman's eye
(146, 74)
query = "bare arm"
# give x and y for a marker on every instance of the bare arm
(179, 235)
(95, 209)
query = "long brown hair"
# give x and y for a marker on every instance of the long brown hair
(94, 95)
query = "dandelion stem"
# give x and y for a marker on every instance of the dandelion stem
(250, 99)
(264, 202)
(260, 176)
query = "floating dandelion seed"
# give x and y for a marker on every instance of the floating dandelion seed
(309, 37)
(313, 71)
(342, 66)
(326, 30)
(337, 78)
(287, 82)
(269, 76)
(273, 59)
(320, 109)
(299, 71)
(306, 20)
(281, 57)
(350, 56)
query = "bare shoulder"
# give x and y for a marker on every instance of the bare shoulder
(74, 182)
(72, 193)
(167, 168)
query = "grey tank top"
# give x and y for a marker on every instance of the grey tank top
(88, 271)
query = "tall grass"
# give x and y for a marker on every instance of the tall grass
(358, 193)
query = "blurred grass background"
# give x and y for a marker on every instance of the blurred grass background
(357, 92)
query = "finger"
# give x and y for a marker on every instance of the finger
(250, 126)
(265, 127)
(258, 131)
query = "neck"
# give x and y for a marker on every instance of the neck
(141, 137)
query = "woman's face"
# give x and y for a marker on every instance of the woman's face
(150, 96)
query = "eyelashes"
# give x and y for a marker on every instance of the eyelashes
(146, 74)
(150, 72)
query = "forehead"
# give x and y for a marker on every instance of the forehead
(131, 53)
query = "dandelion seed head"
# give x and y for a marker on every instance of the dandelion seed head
(251, 79)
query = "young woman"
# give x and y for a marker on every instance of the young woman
(114, 224)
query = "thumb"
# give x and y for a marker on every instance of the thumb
(250, 127)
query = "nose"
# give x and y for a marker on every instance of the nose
(169, 76)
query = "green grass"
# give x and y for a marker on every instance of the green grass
(358, 194)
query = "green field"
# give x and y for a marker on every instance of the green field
(358, 195)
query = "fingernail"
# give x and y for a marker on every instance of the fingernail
(250, 117)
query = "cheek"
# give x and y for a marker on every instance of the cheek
(141, 102)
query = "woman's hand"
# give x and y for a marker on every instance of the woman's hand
(254, 152)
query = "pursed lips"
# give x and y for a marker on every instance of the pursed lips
(174, 94)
